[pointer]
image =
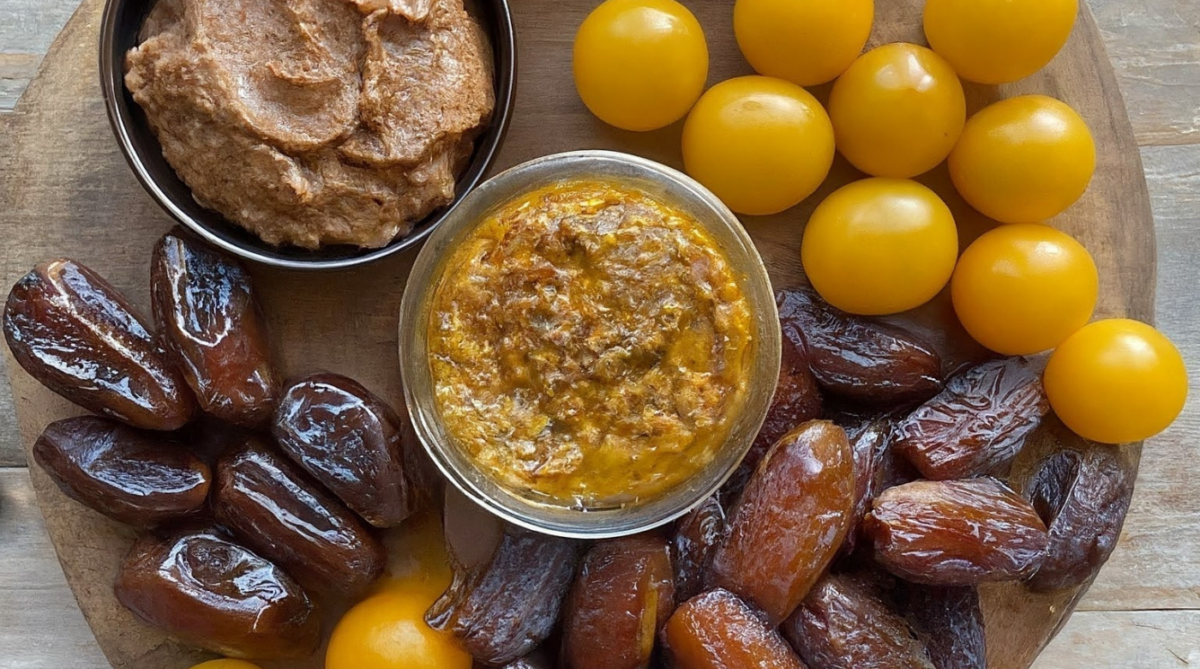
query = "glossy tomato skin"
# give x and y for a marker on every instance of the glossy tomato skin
(1024, 160)
(807, 42)
(388, 631)
(640, 64)
(998, 41)
(897, 111)
(1023, 289)
(761, 144)
(880, 246)
(1117, 381)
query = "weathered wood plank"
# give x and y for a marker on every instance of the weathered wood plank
(1126, 640)
(41, 626)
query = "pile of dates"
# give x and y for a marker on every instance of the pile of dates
(876, 499)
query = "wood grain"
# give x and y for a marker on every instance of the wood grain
(128, 264)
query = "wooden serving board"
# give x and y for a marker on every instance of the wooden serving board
(66, 191)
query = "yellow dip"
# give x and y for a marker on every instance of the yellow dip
(590, 344)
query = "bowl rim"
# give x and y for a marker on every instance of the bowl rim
(487, 148)
(428, 267)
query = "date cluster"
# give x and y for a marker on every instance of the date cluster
(875, 501)
(254, 498)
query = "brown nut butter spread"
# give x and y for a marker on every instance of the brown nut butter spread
(590, 344)
(315, 122)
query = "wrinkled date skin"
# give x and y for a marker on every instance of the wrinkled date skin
(79, 337)
(978, 424)
(950, 622)
(1083, 498)
(278, 513)
(956, 532)
(138, 478)
(859, 359)
(213, 329)
(502, 610)
(211, 593)
(350, 441)
(622, 595)
(697, 536)
(843, 624)
(869, 443)
(535, 660)
(790, 521)
(716, 630)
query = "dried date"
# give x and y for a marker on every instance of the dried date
(622, 595)
(350, 441)
(978, 424)
(79, 337)
(138, 478)
(950, 622)
(213, 328)
(956, 532)
(844, 624)
(716, 630)
(859, 359)
(696, 538)
(1083, 498)
(281, 515)
(869, 443)
(797, 400)
(216, 595)
(790, 521)
(502, 610)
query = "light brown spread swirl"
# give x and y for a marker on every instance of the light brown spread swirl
(590, 344)
(315, 122)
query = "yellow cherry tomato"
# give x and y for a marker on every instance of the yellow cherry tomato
(388, 631)
(998, 41)
(880, 246)
(1024, 160)
(226, 664)
(640, 64)
(1117, 381)
(761, 144)
(897, 111)
(1023, 289)
(807, 42)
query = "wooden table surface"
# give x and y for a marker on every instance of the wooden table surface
(1143, 612)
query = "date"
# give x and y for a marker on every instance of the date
(213, 594)
(350, 441)
(869, 443)
(790, 521)
(134, 477)
(716, 630)
(502, 610)
(213, 328)
(1083, 498)
(622, 595)
(858, 359)
(277, 512)
(950, 622)
(978, 424)
(79, 337)
(797, 400)
(696, 538)
(956, 532)
(843, 624)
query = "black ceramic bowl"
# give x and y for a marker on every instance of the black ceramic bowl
(118, 34)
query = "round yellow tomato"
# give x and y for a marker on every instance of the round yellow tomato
(998, 41)
(897, 111)
(1023, 289)
(761, 144)
(640, 64)
(807, 42)
(226, 664)
(388, 631)
(1024, 160)
(1117, 381)
(880, 246)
